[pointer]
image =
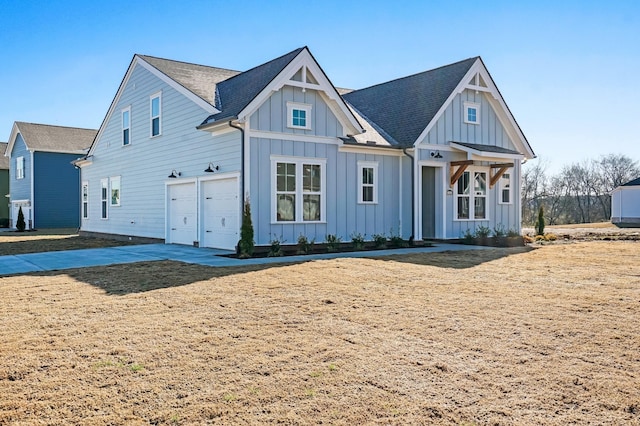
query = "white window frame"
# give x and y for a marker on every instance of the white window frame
(126, 110)
(158, 96)
(501, 188)
(115, 181)
(104, 199)
(467, 107)
(361, 184)
(291, 106)
(472, 195)
(84, 205)
(20, 167)
(299, 192)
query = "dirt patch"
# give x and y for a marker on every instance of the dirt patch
(603, 231)
(502, 336)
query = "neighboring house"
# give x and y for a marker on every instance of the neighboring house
(625, 205)
(431, 155)
(4, 188)
(43, 181)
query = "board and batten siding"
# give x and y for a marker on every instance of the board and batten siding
(56, 190)
(145, 164)
(20, 188)
(625, 205)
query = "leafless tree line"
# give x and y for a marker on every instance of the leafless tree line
(579, 193)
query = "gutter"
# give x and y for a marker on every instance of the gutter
(235, 126)
(413, 195)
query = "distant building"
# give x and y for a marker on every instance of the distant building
(625, 205)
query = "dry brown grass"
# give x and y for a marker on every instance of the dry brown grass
(503, 336)
(12, 242)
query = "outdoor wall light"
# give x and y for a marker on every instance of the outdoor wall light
(436, 154)
(211, 168)
(174, 174)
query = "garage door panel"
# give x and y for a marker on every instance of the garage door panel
(182, 213)
(220, 208)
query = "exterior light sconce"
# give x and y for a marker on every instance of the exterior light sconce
(174, 174)
(211, 168)
(436, 154)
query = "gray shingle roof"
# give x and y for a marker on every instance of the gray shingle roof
(199, 79)
(4, 161)
(43, 137)
(486, 148)
(635, 182)
(404, 107)
(235, 93)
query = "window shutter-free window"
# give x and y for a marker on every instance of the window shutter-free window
(126, 126)
(298, 189)
(155, 108)
(104, 196)
(85, 200)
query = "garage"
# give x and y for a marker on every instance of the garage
(182, 208)
(220, 213)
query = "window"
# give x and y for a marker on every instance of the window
(505, 189)
(85, 200)
(20, 168)
(115, 191)
(126, 126)
(298, 189)
(472, 204)
(104, 195)
(155, 114)
(471, 113)
(367, 182)
(299, 116)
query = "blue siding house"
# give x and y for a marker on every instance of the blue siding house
(430, 155)
(4, 188)
(43, 180)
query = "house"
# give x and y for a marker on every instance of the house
(430, 155)
(4, 188)
(625, 205)
(42, 180)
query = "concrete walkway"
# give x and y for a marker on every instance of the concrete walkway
(58, 260)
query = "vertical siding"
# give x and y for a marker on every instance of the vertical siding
(145, 164)
(56, 191)
(20, 188)
(4, 190)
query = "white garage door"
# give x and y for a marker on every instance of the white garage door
(182, 213)
(220, 224)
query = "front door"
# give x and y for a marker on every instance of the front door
(428, 202)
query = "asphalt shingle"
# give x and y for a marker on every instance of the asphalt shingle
(44, 137)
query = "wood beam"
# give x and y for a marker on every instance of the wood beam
(502, 167)
(456, 173)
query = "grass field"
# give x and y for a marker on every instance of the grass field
(504, 336)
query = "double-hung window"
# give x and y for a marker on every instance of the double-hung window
(471, 113)
(471, 196)
(504, 187)
(104, 197)
(367, 182)
(126, 126)
(85, 200)
(115, 191)
(298, 116)
(20, 168)
(155, 111)
(299, 189)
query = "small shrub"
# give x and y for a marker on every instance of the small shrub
(499, 231)
(304, 245)
(540, 222)
(20, 224)
(468, 237)
(276, 246)
(357, 239)
(379, 240)
(528, 239)
(550, 237)
(333, 242)
(246, 243)
(482, 231)
(396, 240)
(512, 233)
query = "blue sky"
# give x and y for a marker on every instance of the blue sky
(567, 69)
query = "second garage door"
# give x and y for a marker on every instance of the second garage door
(220, 222)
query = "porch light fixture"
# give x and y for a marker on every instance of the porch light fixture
(174, 174)
(438, 155)
(211, 168)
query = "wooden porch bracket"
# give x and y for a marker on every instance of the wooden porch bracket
(502, 167)
(456, 173)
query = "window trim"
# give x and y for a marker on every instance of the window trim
(299, 192)
(467, 106)
(123, 128)
(501, 188)
(84, 200)
(302, 107)
(157, 95)
(376, 178)
(472, 196)
(104, 199)
(111, 181)
(20, 167)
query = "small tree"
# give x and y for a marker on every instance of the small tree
(540, 222)
(20, 225)
(246, 243)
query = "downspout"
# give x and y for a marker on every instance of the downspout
(235, 126)
(413, 195)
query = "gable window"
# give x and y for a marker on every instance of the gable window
(299, 189)
(471, 113)
(471, 196)
(155, 114)
(298, 116)
(504, 187)
(20, 168)
(367, 182)
(126, 126)
(85, 200)
(115, 191)
(104, 196)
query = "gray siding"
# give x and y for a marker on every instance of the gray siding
(20, 188)
(145, 164)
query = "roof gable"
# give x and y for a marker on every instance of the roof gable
(4, 161)
(48, 138)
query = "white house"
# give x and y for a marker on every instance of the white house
(625, 205)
